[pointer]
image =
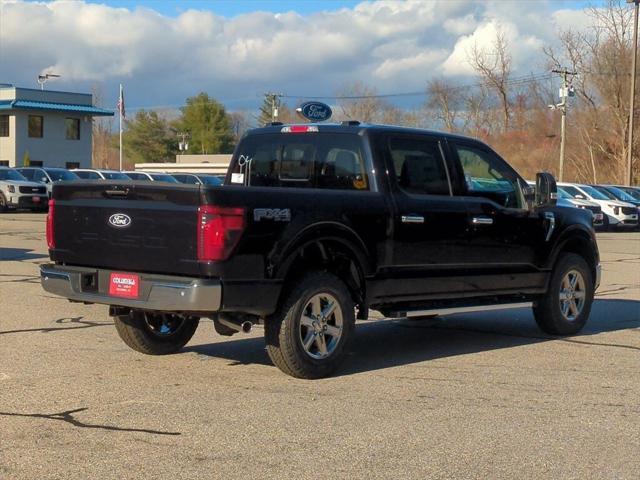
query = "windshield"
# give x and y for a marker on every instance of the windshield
(6, 174)
(60, 175)
(210, 179)
(593, 193)
(630, 191)
(163, 177)
(573, 192)
(606, 193)
(621, 194)
(115, 176)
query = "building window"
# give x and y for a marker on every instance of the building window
(35, 126)
(70, 165)
(35, 163)
(4, 163)
(4, 125)
(73, 128)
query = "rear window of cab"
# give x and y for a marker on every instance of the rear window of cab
(312, 160)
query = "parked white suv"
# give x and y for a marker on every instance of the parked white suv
(617, 214)
(17, 192)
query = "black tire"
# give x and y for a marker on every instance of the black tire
(3, 203)
(547, 311)
(283, 330)
(136, 329)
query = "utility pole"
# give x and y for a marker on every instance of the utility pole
(566, 91)
(629, 171)
(275, 104)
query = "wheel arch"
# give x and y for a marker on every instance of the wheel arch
(329, 246)
(580, 242)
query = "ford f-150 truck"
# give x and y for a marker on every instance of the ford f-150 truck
(315, 225)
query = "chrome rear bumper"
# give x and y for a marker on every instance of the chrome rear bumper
(156, 292)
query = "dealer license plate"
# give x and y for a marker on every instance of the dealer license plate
(125, 285)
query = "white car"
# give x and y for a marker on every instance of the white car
(617, 214)
(95, 174)
(151, 177)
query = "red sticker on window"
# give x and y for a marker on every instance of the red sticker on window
(124, 285)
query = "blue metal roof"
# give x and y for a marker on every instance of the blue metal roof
(56, 107)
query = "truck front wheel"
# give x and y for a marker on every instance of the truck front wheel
(308, 335)
(565, 308)
(155, 333)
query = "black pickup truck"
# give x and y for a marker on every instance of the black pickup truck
(314, 226)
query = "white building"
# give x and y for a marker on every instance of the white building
(50, 128)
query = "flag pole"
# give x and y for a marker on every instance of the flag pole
(120, 117)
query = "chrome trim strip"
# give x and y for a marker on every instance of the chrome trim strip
(482, 221)
(412, 219)
(451, 311)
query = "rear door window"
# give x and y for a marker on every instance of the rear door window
(419, 165)
(316, 160)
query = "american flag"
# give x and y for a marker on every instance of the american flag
(121, 103)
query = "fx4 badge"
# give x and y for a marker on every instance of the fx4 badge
(275, 214)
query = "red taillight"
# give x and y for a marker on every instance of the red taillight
(51, 240)
(219, 230)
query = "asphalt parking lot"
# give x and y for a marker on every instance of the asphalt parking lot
(466, 396)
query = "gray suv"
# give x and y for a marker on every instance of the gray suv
(47, 175)
(17, 192)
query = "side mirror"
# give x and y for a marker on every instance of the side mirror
(546, 189)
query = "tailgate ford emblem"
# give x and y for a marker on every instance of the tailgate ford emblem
(120, 220)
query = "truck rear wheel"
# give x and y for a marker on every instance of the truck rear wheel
(308, 335)
(155, 333)
(565, 308)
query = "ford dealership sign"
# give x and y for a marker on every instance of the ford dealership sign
(315, 111)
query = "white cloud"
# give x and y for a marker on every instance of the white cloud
(391, 45)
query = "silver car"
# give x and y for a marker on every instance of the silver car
(17, 192)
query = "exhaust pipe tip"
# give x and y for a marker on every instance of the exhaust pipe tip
(246, 327)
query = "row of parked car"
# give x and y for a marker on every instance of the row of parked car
(613, 206)
(30, 187)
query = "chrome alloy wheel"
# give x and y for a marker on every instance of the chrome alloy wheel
(163, 324)
(572, 295)
(321, 326)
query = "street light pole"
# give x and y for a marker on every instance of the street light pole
(629, 171)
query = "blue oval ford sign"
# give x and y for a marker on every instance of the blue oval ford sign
(120, 220)
(315, 111)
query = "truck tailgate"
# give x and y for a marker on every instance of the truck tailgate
(127, 226)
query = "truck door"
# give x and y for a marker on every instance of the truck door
(503, 233)
(430, 224)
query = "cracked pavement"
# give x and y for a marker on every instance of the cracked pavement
(465, 396)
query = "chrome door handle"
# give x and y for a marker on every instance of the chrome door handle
(482, 221)
(412, 219)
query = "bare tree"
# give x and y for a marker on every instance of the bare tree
(443, 103)
(494, 67)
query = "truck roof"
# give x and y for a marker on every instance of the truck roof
(355, 128)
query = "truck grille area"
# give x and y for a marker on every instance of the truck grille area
(35, 190)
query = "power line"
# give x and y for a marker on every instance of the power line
(515, 81)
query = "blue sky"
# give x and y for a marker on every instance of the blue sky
(231, 8)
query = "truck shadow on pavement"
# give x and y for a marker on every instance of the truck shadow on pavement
(390, 343)
(13, 254)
